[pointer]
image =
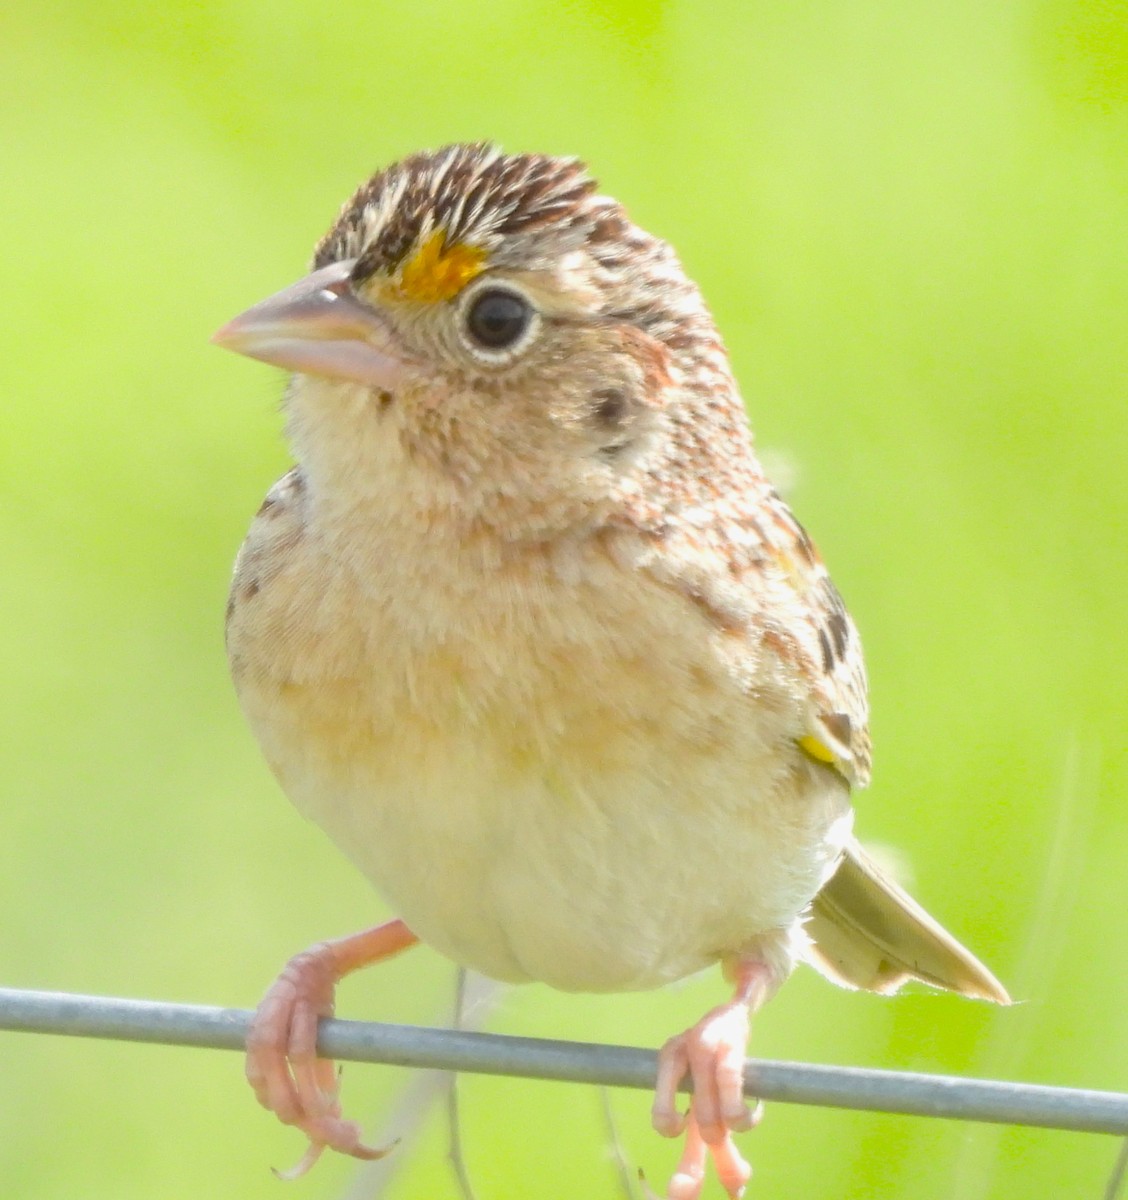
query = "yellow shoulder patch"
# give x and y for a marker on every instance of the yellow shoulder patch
(437, 271)
(812, 746)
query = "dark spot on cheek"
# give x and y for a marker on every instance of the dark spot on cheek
(384, 400)
(610, 409)
(610, 406)
(249, 590)
(484, 386)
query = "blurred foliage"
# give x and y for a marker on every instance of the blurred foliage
(911, 221)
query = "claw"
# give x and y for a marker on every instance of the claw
(306, 1163)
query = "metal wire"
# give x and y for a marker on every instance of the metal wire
(575, 1062)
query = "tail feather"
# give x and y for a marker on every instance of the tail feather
(870, 933)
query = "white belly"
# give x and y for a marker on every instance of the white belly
(566, 778)
(617, 862)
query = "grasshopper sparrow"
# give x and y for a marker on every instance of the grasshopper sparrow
(529, 634)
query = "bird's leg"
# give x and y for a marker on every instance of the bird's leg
(712, 1054)
(282, 1064)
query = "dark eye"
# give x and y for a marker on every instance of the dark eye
(497, 319)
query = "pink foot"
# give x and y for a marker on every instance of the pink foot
(282, 1064)
(712, 1054)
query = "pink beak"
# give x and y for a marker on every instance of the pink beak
(319, 326)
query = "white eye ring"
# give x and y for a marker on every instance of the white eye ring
(497, 321)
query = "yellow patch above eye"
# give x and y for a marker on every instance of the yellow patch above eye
(812, 746)
(437, 271)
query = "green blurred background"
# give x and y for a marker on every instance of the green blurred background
(910, 219)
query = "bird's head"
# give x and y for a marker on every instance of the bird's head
(493, 325)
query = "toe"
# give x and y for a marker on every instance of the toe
(716, 1048)
(673, 1063)
(332, 1133)
(706, 1103)
(343, 1136)
(689, 1178)
(266, 1067)
(728, 1077)
(732, 1169)
(282, 1065)
(310, 1073)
